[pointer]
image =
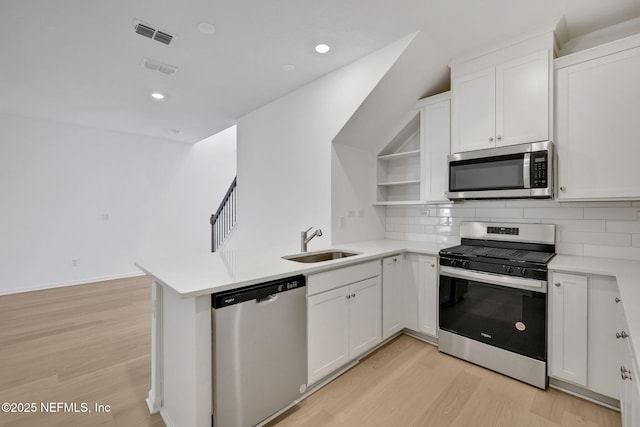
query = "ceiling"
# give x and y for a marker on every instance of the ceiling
(80, 61)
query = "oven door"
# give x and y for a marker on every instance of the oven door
(485, 308)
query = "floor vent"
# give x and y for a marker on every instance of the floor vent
(152, 33)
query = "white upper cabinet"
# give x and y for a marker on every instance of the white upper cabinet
(473, 114)
(598, 99)
(435, 133)
(412, 168)
(503, 97)
(522, 100)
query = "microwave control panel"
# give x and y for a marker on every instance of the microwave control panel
(538, 175)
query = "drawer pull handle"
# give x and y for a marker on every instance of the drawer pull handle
(622, 334)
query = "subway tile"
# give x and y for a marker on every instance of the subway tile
(457, 212)
(399, 220)
(417, 237)
(499, 212)
(428, 220)
(448, 240)
(394, 235)
(484, 203)
(618, 252)
(623, 226)
(613, 204)
(569, 249)
(636, 203)
(589, 238)
(531, 203)
(580, 225)
(630, 213)
(517, 220)
(409, 228)
(635, 240)
(552, 213)
(394, 211)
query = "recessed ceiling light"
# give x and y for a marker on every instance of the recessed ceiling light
(288, 67)
(322, 48)
(175, 131)
(206, 28)
(158, 95)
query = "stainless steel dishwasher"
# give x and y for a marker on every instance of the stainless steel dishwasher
(259, 350)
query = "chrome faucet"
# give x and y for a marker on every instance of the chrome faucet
(304, 239)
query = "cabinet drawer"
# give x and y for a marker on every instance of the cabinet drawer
(321, 282)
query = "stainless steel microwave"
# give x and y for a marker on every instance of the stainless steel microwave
(515, 171)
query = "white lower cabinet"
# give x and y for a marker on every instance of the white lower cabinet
(428, 295)
(343, 323)
(420, 294)
(629, 391)
(584, 317)
(392, 295)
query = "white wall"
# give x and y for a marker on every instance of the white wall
(105, 199)
(602, 229)
(354, 217)
(284, 154)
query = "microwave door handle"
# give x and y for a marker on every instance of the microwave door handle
(526, 170)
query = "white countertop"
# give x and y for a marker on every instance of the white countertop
(206, 273)
(627, 274)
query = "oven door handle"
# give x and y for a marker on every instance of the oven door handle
(526, 170)
(494, 279)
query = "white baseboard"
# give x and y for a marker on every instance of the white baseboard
(71, 283)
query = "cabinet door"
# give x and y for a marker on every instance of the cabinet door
(598, 127)
(604, 349)
(410, 291)
(392, 286)
(473, 99)
(568, 328)
(328, 332)
(629, 393)
(364, 316)
(436, 132)
(428, 295)
(522, 100)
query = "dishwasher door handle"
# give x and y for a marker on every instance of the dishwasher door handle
(267, 299)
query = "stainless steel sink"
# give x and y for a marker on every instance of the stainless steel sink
(320, 256)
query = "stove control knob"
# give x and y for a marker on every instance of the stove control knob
(454, 263)
(465, 264)
(509, 269)
(525, 272)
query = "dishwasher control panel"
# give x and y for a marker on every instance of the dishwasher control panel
(256, 292)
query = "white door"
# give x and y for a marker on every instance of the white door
(568, 328)
(364, 316)
(437, 146)
(604, 349)
(328, 332)
(598, 127)
(473, 99)
(392, 287)
(428, 295)
(522, 100)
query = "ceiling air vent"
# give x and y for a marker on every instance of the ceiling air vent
(152, 33)
(167, 69)
(163, 37)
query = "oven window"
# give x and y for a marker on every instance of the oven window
(494, 173)
(512, 319)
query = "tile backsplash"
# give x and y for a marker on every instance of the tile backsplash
(601, 229)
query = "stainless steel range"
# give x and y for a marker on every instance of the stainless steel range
(493, 298)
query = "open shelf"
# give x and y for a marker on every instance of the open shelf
(399, 168)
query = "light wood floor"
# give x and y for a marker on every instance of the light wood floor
(91, 343)
(88, 343)
(409, 383)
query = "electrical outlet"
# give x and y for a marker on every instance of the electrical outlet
(341, 221)
(74, 263)
(105, 217)
(350, 213)
(360, 213)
